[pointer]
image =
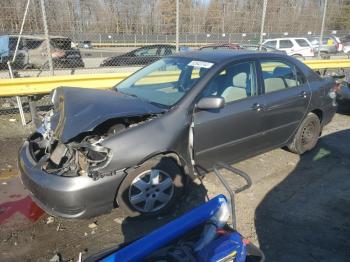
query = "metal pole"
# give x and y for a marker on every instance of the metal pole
(322, 27)
(263, 22)
(18, 99)
(21, 31)
(47, 38)
(177, 25)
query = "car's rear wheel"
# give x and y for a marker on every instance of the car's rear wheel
(152, 188)
(307, 135)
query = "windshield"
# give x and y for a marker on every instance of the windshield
(166, 81)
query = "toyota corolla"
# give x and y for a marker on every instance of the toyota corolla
(135, 146)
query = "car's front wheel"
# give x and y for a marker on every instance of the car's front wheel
(307, 135)
(152, 188)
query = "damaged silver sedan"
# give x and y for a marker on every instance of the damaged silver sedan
(135, 146)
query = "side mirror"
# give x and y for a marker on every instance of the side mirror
(212, 102)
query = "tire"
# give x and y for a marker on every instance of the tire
(146, 201)
(299, 57)
(307, 135)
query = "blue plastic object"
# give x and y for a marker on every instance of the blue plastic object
(227, 246)
(161, 237)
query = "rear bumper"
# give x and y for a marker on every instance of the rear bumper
(343, 97)
(328, 113)
(69, 197)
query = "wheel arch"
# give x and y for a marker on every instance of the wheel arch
(319, 113)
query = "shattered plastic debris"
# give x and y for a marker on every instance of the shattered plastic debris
(118, 220)
(56, 258)
(50, 220)
(93, 225)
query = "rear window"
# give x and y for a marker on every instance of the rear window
(302, 42)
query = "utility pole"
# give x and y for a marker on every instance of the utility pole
(322, 27)
(177, 25)
(263, 22)
(47, 38)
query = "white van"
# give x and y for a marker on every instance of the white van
(293, 46)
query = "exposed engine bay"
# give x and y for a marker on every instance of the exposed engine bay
(81, 156)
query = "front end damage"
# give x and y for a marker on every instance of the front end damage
(81, 156)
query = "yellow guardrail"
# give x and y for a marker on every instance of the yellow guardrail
(44, 85)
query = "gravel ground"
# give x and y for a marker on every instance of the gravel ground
(296, 210)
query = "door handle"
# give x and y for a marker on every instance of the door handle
(257, 107)
(303, 94)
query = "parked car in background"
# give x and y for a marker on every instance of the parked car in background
(222, 46)
(63, 55)
(346, 48)
(329, 45)
(141, 56)
(7, 49)
(297, 47)
(85, 44)
(261, 48)
(346, 44)
(136, 145)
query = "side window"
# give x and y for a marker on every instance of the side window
(279, 75)
(302, 42)
(146, 52)
(271, 44)
(32, 43)
(234, 82)
(286, 44)
(164, 51)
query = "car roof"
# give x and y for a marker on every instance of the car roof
(222, 56)
(157, 45)
(39, 37)
(285, 38)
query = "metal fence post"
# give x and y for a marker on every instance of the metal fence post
(47, 38)
(263, 22)
(18, 99)
(177, 25)
(322, 28)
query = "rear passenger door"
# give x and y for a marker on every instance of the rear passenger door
(287, 97)
(287, 46)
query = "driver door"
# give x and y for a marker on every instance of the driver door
(233, 132)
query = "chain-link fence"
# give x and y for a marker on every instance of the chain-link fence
(88, 36)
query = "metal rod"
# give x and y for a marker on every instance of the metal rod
(177, 25)
(47, 38)
(18, 99)
(263, 22)
(21, 112)
(322, 27)
(229, 190)
(20, 32)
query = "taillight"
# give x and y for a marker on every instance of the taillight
(336, 87)
(333, 91)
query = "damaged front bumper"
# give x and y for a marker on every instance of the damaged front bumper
(69, 197)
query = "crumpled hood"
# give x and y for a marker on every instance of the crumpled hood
(78, 110)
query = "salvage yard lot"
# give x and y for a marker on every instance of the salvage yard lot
(298, 208)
